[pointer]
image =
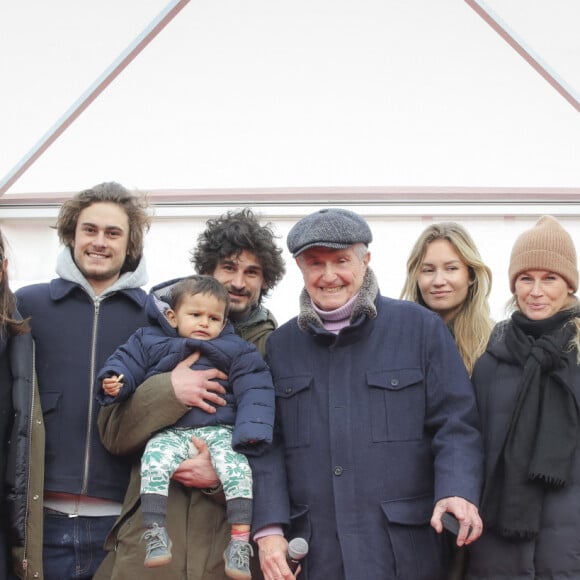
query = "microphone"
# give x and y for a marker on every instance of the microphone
(297, 549)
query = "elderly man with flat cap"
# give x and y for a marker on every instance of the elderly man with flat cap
(377, 430)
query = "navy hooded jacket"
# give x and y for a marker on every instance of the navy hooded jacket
(158, 349)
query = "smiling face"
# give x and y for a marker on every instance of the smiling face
(443, 279)
(541, 294)
(332, 277)
(243, 278)
(100, 244)
(198, 316)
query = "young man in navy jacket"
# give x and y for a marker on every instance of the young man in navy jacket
(62, 513)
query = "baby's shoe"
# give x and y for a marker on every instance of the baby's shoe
(158, 547)
(237, 558)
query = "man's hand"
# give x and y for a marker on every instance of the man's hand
(272, 552)
(197, 472)
(196, 388)
(470, 524)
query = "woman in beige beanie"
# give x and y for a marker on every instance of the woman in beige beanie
(528, 389)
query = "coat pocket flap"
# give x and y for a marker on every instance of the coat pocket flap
(411, 511)
(394, 379)
(289, 386)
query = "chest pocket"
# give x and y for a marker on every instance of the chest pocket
(293, 407)
(397, 404)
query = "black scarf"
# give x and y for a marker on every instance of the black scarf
(539, 448)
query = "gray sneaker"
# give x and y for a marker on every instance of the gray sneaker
(237, 559)
(158, 547)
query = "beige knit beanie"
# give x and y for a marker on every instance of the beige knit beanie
(546, 246)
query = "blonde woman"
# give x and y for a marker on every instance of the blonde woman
(446, 274)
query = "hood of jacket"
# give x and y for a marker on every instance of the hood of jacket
(67, 269)
(158, 301)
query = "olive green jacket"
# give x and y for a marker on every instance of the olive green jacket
(197, 549)
(25, 482)
(257, 328)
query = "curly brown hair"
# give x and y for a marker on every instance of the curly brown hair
(134, 204)
(232, 233)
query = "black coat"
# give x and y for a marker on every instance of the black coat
(5, 420)
(16, 376)
(555, 553)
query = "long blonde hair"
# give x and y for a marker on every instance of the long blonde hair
(472, 325)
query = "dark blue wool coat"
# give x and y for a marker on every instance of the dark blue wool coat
(374, 425)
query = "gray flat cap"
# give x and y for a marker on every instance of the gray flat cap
(331, 228)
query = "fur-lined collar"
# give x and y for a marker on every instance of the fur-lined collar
(364, 306)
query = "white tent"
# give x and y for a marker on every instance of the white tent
(407, 111)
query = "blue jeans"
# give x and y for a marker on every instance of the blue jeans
(73, 547)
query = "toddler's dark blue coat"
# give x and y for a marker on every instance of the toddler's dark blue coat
(158, 349)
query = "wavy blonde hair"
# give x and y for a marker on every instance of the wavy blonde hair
(473, 324)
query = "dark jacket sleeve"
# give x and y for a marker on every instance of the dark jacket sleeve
(130, 360)
(451, 415)
(253, 388)
(271, 496)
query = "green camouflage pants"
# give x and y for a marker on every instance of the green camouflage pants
(168, 448)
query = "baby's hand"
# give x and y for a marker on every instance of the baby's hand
(112, 385)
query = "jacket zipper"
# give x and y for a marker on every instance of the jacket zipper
(30, 426)
(91, 400)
